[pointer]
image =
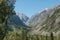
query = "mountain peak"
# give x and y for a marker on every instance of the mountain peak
(46, 9)
(23, 17)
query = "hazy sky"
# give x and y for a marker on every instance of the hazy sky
(30, 7)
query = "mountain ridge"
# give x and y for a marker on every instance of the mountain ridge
(23, 17)
(49, 15)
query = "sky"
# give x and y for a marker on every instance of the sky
(30, 7)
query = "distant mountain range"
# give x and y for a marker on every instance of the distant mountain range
(17, 21)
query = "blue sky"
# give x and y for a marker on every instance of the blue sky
(30, 7)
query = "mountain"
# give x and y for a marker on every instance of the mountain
(45, 22)
(23, 17)
(15, 21)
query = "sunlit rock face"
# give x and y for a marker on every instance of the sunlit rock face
(42, 22)
(23, 17)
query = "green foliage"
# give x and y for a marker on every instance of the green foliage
(6, 8)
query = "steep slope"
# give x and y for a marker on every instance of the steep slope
(45, 21)
(15, 21)
(23, 17)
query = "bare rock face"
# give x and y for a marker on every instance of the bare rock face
(46, 21)
(23, 17)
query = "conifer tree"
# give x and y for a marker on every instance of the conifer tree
(6, 8)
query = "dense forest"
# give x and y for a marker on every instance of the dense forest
(22, 33)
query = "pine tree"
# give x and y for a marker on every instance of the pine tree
(6, 8)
